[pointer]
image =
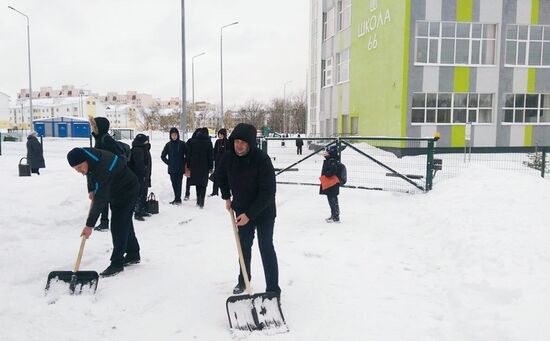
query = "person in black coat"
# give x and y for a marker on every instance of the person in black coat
(247, 183)
(219, 149)
(329, 175)
(140, 164)
(187, 173)
(111, 181)
(200, 163)
(299, 144)
(35, 153)
(104, 141)
(174, 154)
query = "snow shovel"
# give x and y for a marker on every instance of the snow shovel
(77, 279)
(249, 312)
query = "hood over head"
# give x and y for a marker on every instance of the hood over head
(245, 132)
(174, 130)
(100, 125)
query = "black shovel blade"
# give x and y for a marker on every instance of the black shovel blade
(77, 280)
(260, 311)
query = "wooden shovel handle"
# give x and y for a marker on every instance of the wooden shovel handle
(80, 252)
(239, 248)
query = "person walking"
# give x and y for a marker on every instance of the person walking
(247, 182)
(140, 164)
(174, 154)
(35, 153)
(330, 184)
(219, 149)
(113, 182)
(100, 132)
(200, 163)
(299, 144)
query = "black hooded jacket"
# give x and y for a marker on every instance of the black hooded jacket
(100, 132)
(110, 180)
(199, 157)
(176, 152)
(250, 178)
(35, 153)
(140, 161)
(220, 147)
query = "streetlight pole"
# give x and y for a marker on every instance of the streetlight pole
(193, 83)
(183, 114)
(29, 59)
(221, 69)
(284, 106)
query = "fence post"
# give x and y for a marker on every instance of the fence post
(543, 164)
(0, 143)
(264, 145)
(91, 141)
(41, 141)
(339, 148)
(429, 165)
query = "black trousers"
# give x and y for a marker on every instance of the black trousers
(299, 150)
(201, 193)
(215, 187)
(142, 197)
(105, 215)
(267, 251)
(122, 232)
(187, 187)
(334, 208)
(176, 179)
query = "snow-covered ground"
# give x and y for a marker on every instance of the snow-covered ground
(468, 261)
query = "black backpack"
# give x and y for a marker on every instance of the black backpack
(342, 173)
(122, 150)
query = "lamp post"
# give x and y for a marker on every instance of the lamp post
(29, 59)
(221, 68)
(183, 114)
(81, 93)
(193, 83)
(284, 106)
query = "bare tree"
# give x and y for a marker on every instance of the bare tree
(253, 112)
(298, 113)
(275, 120)
(149, 118)
(169, 120)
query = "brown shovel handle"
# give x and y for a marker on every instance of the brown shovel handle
(239, 248)
(79, 258)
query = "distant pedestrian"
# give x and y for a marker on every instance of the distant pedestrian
(173, 155)
(220, 148)
(299, 144)
(200, 163)
(140, 164)
(112, 181)
(35, 153)
(330, 184)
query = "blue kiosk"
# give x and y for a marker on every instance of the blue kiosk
(62, 127)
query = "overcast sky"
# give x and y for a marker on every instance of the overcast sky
(120, 45)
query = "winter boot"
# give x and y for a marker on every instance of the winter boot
(238, 289)
(138, 217)
(103, 226)
(186, 198)
(131, 259)
(111, 271)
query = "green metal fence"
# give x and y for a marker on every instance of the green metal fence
(378, 163)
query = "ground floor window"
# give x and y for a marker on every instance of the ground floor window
(355, 125)
(452, 108)
(527, 108)
(345, 125)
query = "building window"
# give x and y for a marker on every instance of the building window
(344, 14)
(455, 43)
(70, 93)
(328, 24)
(527, 108)
(452, 108)
(327, 72)
(355, 125)
(342, 66)
(67, 109)
(528, 45)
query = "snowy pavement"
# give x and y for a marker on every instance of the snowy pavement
(468, 261)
